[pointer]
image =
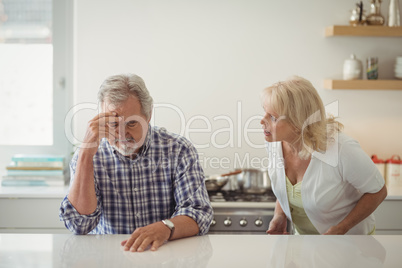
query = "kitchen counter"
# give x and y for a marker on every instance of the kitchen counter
(33, 191)
(36, 210)
(31, 209)
(64, 250)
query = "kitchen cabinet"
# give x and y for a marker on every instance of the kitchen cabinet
(389, 217)
(31, 210)
(375, 31)
(36, 210)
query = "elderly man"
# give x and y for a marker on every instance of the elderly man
(129, 177)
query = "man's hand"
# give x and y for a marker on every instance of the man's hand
(82, 192)
(97, 129)
(153, 235)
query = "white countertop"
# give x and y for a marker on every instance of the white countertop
(65, 250)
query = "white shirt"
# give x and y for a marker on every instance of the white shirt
(332, 184)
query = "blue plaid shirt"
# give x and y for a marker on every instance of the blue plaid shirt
(163, 181)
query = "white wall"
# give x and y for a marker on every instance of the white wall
(207, 58)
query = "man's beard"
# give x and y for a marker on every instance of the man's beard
(125, 147)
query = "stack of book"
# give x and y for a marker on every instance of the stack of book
(35, 170)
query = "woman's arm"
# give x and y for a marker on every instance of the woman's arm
(364, 207)
(278, 223)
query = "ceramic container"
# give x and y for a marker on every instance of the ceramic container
(352, 68)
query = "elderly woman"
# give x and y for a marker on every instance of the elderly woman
(324, 182)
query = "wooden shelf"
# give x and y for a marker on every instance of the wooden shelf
(363, 30)
(363, 84)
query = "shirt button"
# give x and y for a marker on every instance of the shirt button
(137, 215)
(135, 189)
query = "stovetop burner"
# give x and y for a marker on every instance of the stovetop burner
(235, 196)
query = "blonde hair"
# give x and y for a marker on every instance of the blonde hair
(298, 102)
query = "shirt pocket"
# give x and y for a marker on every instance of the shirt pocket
(163, 200)
(116, 184)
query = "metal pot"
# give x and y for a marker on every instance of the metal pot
(232, 184)
(254, 181)
(217, 182)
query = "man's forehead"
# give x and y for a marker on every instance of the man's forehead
(124, 112)
(109, 107)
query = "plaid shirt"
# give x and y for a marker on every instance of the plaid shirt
(163, 181)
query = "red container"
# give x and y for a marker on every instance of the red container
(393, 176)
(380, 164)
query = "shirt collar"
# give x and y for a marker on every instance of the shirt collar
(147, 141)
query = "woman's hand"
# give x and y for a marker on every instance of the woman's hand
(336, 230)
(278, 225)
(364, 207)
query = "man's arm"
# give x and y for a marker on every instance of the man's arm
(82, 192)
(193, 214)
(81, 199)
(157, 233)
(184, 227)
(74, 219)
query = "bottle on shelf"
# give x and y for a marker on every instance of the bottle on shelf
(372, 68)
(358, 17)
(394, 18)
(375, 17)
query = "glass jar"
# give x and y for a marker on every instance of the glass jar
(375, 17)
(372, 68)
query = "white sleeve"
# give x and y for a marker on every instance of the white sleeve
(358, 169)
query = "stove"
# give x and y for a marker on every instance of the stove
(241, 213)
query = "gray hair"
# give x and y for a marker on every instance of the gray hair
(118, 88)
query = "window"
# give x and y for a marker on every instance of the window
(26, 54)
(34, 73)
